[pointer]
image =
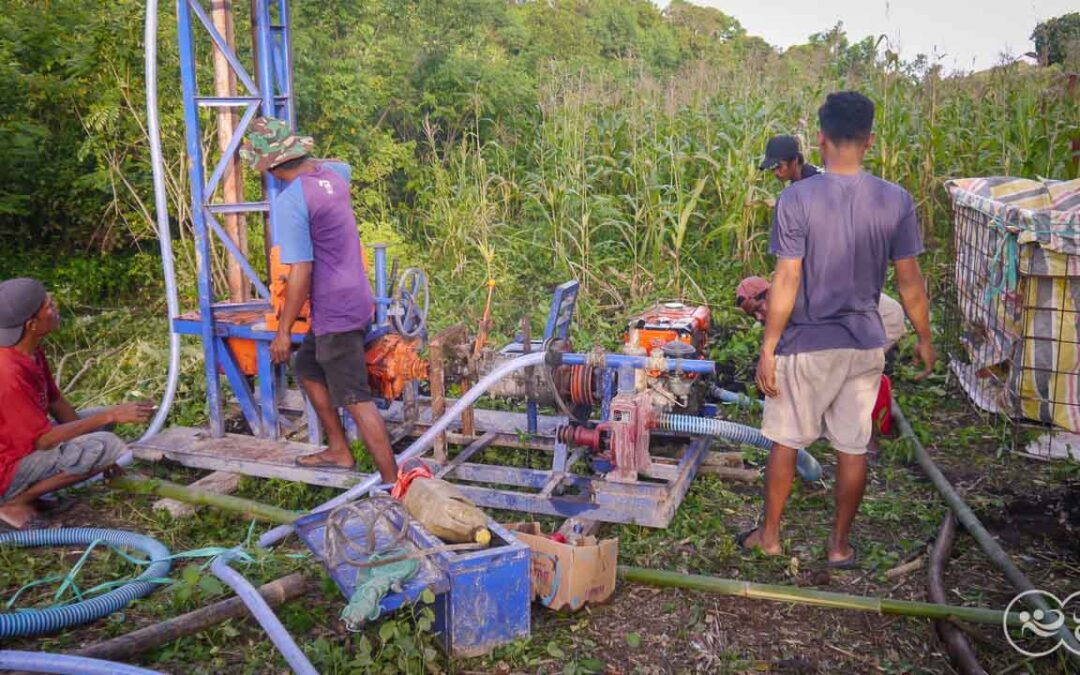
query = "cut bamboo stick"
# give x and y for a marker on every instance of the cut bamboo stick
(163, 488)
(808, 596)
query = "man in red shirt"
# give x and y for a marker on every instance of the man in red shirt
(38, 455)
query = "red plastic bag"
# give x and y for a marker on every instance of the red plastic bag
(882, 415)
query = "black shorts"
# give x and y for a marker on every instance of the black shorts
(337, 361)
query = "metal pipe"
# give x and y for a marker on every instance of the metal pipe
(161, 208)
(262, 613)
(65, 664)
(971, 523)
(618, 360)
(421, 444)
(380, 284)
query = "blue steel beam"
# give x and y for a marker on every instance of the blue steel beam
(267, 391)
(225, 163)
(229, 244)
(238, 207)
(239, 384)
(229, 54)
(226, 101)
(202, 238)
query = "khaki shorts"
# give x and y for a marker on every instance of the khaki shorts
(829, 393)
(87, 454)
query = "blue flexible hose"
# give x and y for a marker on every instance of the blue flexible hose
(66, 664)
(262, 612)
(809, 469)
(38, 622)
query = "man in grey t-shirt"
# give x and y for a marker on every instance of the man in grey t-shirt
(821, 360)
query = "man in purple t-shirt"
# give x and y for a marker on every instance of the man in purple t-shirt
(834, 236)
(317, 235)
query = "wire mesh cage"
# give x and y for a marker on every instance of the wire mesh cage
(1013, 318)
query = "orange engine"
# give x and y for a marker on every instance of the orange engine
(279, 273)
(668, 321)
(392, 362)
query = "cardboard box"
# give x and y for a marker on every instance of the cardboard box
(565, 576)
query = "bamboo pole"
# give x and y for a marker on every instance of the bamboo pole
(163, 488)
(221, 12)
(808, 596)
(124, 647)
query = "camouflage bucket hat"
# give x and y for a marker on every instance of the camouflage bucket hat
(270, 142)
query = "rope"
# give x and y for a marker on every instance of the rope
(340, 548)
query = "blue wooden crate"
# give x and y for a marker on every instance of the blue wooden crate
(482, 598)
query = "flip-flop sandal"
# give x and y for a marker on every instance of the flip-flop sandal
(54, 505)
(740, 539)
(321, 464)
(848, 563)
(35, 523)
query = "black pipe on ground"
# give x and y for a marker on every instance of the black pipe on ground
(957, 646)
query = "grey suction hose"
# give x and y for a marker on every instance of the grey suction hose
(975, 528)
(161, 208)
(809, 469)
(262, 612)
(66, 664)
(41, 621)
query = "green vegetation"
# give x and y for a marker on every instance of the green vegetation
(527, 142)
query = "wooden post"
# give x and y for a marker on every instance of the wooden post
(440, 349)
(232, 184)
(124, 647)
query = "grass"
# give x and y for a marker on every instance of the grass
(644, 191)
(899, 516)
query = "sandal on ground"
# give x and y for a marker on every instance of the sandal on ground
(740, 539)
(848, 563)
(54, 505)
(35, 523)
(321, 464)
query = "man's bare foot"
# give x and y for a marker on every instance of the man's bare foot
(756, 539)
(327, 459)
(839, 554)
(17, 515)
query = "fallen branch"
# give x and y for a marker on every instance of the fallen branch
(124, 647)
(906, 568)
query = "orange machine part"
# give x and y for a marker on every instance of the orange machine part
(279, 273)
(246, 355)
(669, 321)
(392, 363)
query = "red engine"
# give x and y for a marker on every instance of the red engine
(667, 322)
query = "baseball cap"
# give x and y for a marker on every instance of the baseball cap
(271, 141)
(20, 300)
(779, 149)
(749, 288)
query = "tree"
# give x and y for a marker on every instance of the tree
(1058, 40)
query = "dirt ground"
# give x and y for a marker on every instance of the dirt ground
(1031, 507)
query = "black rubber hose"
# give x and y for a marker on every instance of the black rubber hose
(959, 649)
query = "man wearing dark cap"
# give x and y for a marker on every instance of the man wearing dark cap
(39, 455)
(317, 235)
(785, 160)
